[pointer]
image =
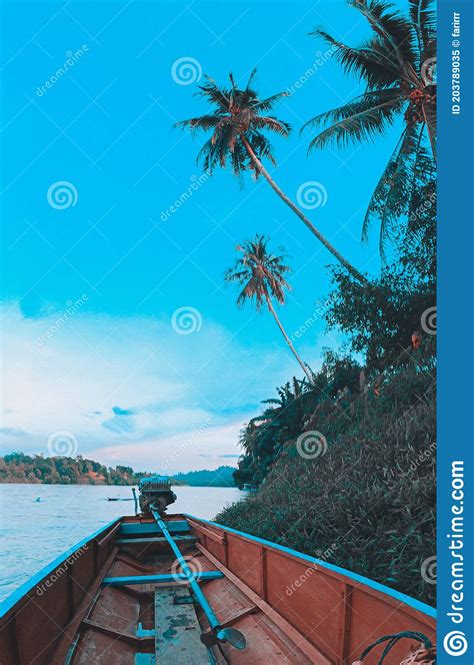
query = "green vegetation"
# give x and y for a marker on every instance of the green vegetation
(223, 476)
(344, 460)
(21, 468)
(397, 64)
(358, 487)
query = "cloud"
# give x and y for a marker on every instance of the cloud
(132, 390)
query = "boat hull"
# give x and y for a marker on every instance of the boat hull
(119, 597)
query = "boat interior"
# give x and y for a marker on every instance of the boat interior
(121, 598)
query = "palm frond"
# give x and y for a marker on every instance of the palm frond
(268, 103)
(203, 122)
(369, 62)
(423, 17)
(361, 122)
(409, 165)
(395, 31)
(272, 123)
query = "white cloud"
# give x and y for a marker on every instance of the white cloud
(131, 390)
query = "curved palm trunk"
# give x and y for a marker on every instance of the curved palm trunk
(430, 118)
(287, 339)
(303, 217)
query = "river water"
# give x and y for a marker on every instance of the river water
(34, 532)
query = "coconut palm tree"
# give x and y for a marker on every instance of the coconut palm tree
(262, 276)
(397, 64)
(237, 120)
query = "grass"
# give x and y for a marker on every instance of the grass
(368, 502)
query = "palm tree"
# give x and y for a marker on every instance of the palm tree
(397, 65)
(236, 122)
(262, 276)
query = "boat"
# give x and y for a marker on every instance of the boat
(176, 589)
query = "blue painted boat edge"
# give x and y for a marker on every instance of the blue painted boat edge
(397, 595)
(11, 600)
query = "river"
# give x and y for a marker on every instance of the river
(38, 522)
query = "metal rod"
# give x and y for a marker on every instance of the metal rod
(135, 499)
(196, 589)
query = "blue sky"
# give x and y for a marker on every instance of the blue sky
(92, 344)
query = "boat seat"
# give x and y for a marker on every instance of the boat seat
(177, 629)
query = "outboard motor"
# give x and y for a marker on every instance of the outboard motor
(156, 492)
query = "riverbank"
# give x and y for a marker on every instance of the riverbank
(364, 497)
(16, 467)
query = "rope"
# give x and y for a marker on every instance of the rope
(392, 640)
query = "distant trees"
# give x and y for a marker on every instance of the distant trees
(20, 468)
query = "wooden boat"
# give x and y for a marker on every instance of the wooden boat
(120, 597)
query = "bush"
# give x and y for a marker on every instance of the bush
(367, 502)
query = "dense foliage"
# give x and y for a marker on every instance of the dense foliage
(365, 499)
(364, 495)
(21, 468)
(397, 65)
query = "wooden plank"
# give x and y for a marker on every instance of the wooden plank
(296, 637)
(158, 579)
(148, 528)
(156, 539)
(69, 631)
(177, 631)
(117, 634)
(217, 537)
(108, 535)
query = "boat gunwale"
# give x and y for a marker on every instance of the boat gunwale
(371, 586)
(19, 594)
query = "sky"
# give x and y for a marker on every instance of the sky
(120, 340)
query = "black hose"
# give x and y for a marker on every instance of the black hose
(392, 640)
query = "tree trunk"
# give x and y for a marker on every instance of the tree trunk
(430, 119)
(287, 339)
(353, 271)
